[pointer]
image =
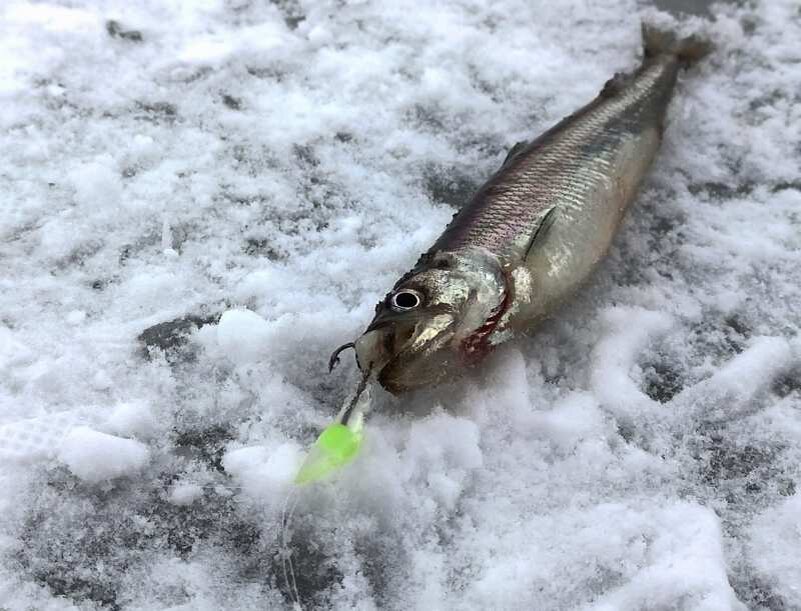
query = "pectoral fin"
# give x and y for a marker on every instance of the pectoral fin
(541, 230)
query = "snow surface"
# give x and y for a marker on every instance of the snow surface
(201, 199)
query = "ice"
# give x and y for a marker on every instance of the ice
(201, 200)
(96, 457)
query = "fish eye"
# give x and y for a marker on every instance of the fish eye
(405, 299)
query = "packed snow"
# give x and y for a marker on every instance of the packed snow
(202, 199)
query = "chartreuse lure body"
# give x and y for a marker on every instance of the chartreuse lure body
(339, 443)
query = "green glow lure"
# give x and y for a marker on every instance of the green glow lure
(340, 441)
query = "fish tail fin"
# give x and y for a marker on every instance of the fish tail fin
(657, 41)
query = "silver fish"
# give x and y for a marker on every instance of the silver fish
(531, 235)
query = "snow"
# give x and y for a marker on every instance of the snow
(243, 336)
(132, 419)
(265, 475)
(185, 493)
(774, 539)
(95, 457)
(32, 439)
(203, 199)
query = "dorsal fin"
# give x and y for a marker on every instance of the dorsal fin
(514, 152)
(614, 85)
(546, 222)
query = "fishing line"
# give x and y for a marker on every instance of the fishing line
(288, 512)
(346, 413)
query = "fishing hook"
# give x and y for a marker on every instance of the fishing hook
(334, 360)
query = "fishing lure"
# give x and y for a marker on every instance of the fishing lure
(340, 441)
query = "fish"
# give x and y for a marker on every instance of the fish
(531, 235)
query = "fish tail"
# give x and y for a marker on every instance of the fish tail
(657, 41)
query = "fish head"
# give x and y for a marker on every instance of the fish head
(421, 329)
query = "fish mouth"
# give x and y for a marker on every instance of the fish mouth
(378, 346)
(401, 358)
(372, 351)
